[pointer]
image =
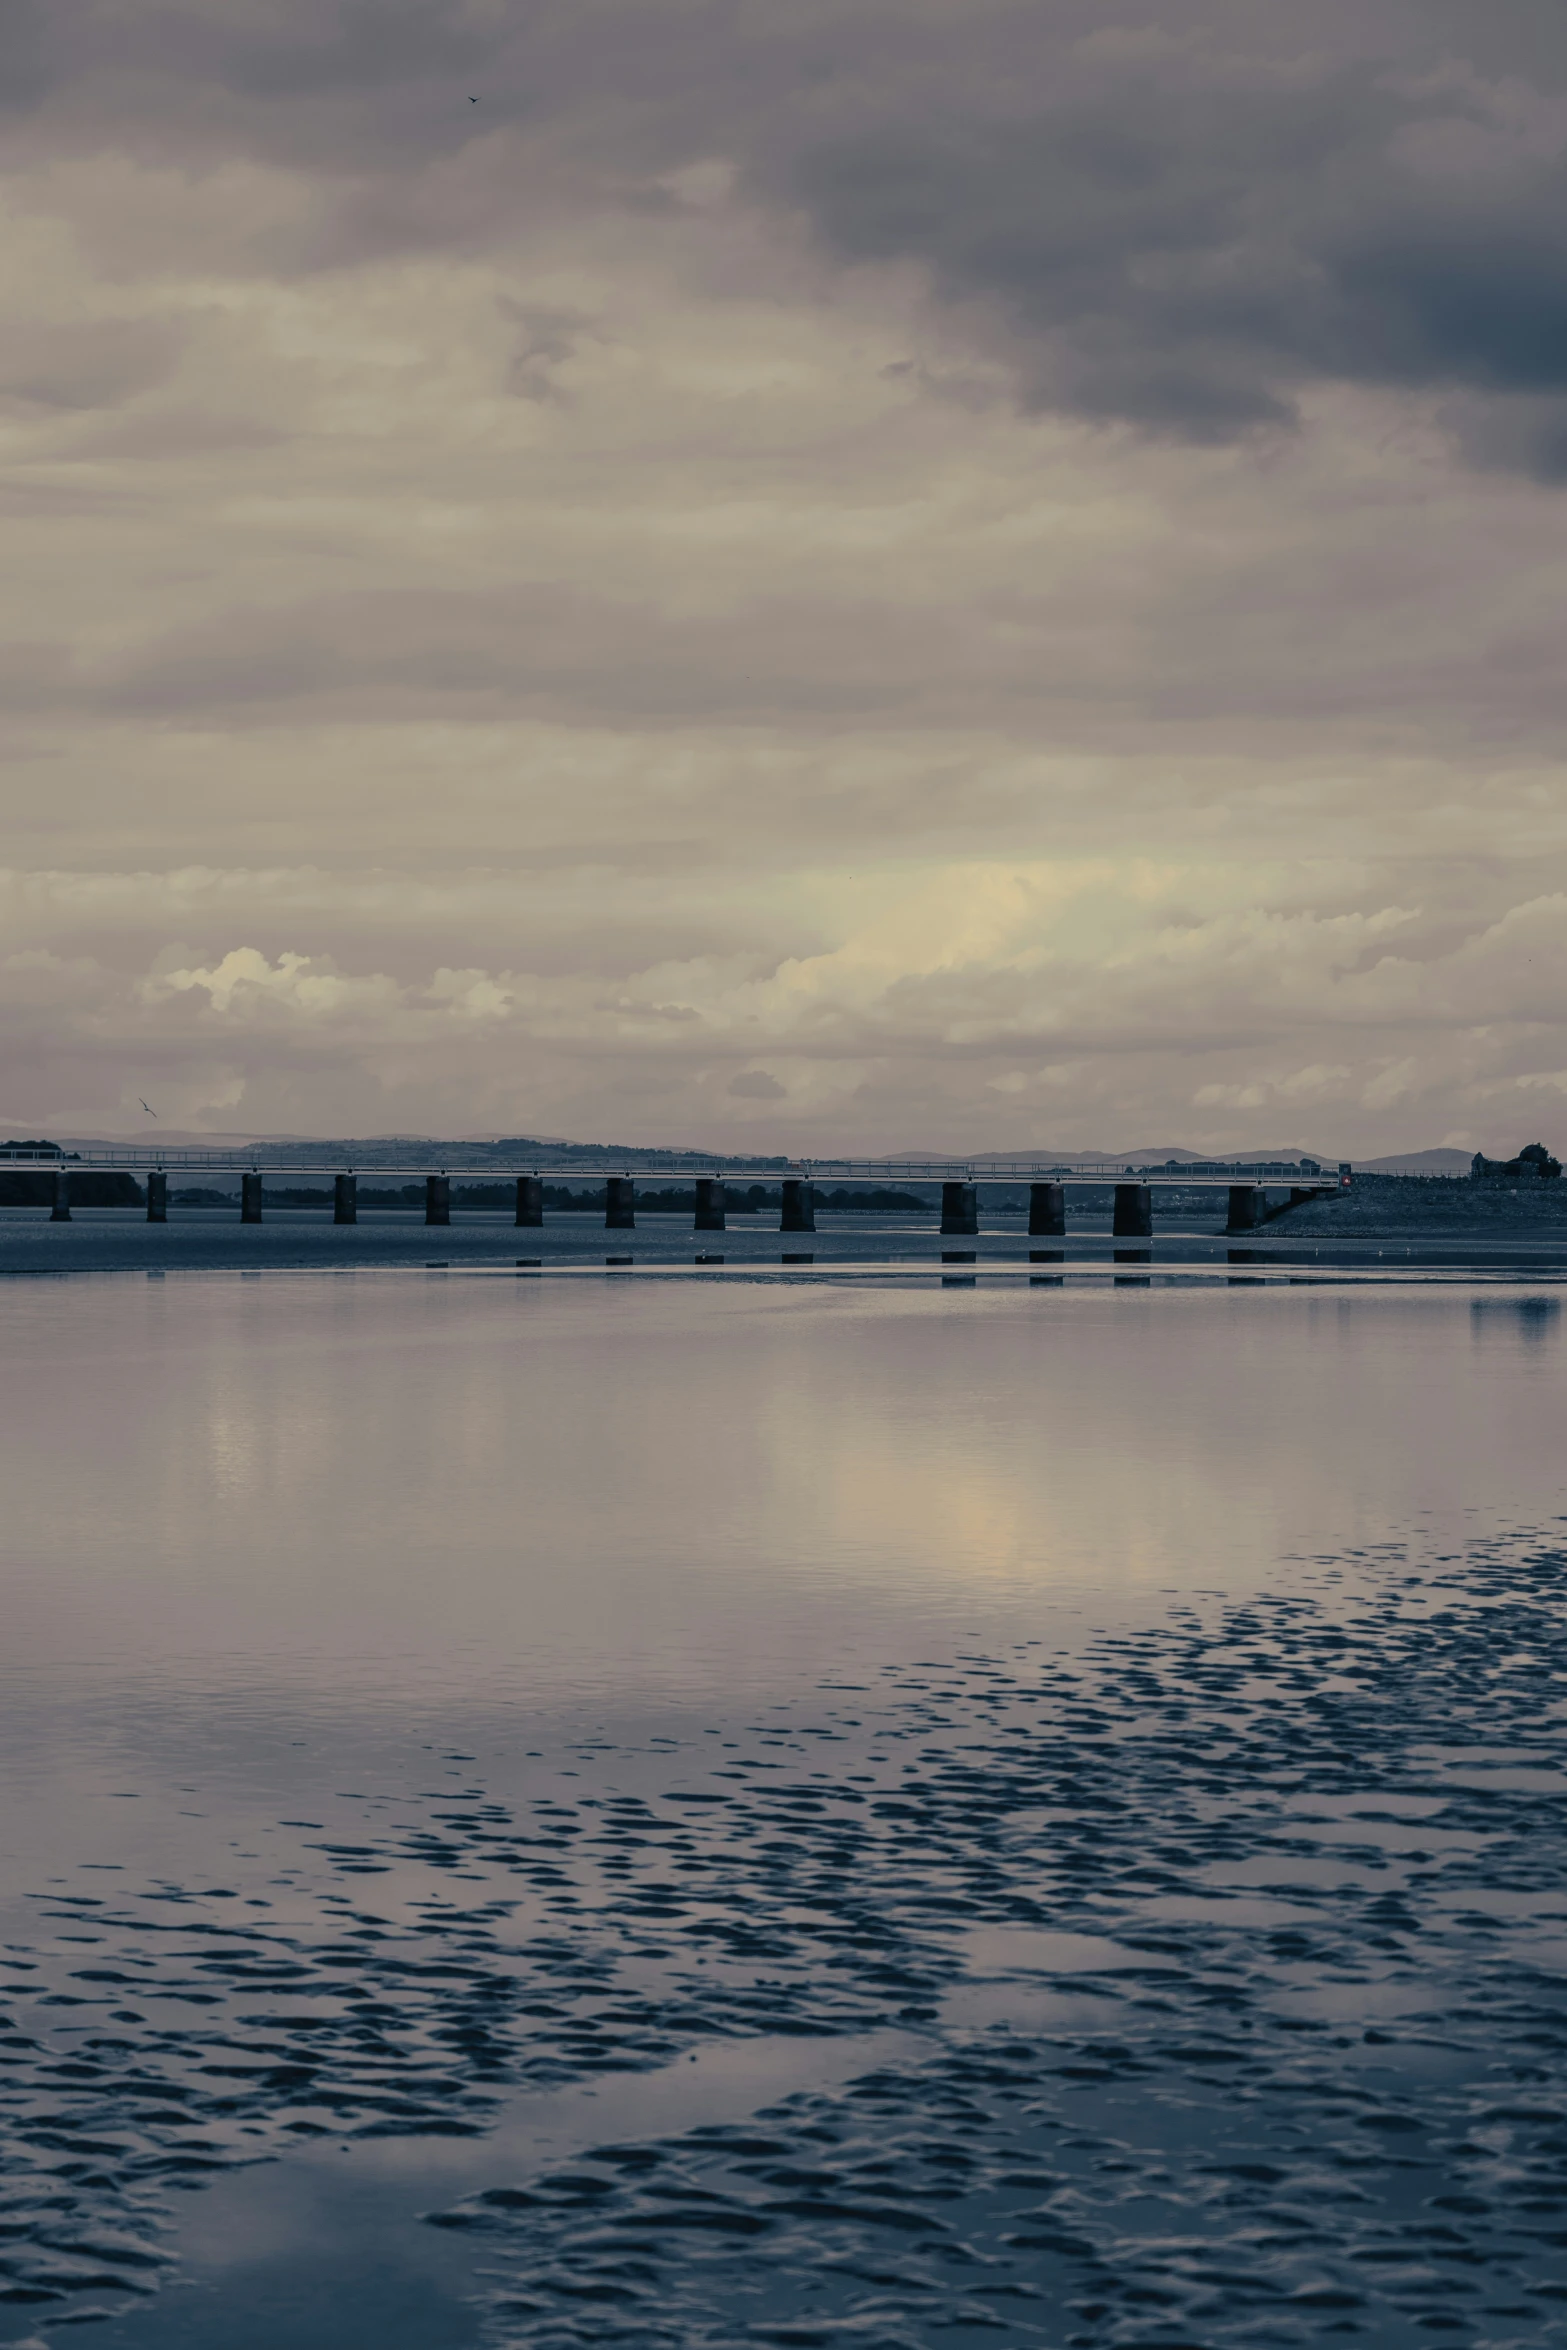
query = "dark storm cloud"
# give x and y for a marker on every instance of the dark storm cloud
(1181, 222)
(1190, 260)
(1187, 264)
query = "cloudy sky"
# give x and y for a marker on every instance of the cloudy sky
(825, 574)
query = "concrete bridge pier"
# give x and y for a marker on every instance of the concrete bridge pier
(250, 1199)
(1245, 1208)
(709, 1204)
(530, 1200)
(60, 1206)
(960, 1207)
(620, 1204)
(798, 1213)
(345, 1199)
(437, 1199)
(1047, 1210)
(158, 1197)
(1133, 1216)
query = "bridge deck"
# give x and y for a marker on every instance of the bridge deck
(1209, 1175)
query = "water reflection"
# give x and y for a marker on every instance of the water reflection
(376, 1487)
(424, 1699)
(1511, 1319)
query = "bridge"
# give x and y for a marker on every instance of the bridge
(1246, 1181)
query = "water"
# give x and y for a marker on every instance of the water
(580, 1809)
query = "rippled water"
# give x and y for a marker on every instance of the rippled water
(561, 1812)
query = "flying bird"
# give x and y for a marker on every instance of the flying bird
(473, 101)
(147, 1106)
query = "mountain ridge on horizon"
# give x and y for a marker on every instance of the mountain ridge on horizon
(226, 1138)
(1438, 1160)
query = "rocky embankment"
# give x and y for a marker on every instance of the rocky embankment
(1399, 1205)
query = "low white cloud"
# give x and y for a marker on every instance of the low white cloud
(245, 988)
(1058, 1003)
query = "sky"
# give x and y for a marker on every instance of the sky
(812, 575)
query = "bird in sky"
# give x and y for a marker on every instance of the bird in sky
(473, 101)
(147, 1106)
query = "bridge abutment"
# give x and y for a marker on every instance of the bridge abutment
(960, 1207)
(1046, 1210)
(1133, 1215)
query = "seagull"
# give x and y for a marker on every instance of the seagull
(147, 1106)
(473, 101)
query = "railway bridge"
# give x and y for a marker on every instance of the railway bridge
(1247, 1184)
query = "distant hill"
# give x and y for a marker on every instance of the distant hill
(1145, 1155)
(1443, 1162)
(498, 1150)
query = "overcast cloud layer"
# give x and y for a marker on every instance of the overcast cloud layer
(843, 575)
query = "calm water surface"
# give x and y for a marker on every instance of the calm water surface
(567, 1810)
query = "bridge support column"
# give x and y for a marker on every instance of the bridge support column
(345, 1199)
(530, 1199)
(620, 1204)
(60, 1206)
(1047, 1210)
(157, 1197)
(250, 1199)
(437, 1199)
(1133, 1217)
(709, 1204)
(1245, 1208)
(959, 1207)
(798, 1212)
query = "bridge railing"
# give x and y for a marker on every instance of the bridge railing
(812, 1171)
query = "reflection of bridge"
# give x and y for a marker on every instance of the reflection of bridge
(1247, 1183)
